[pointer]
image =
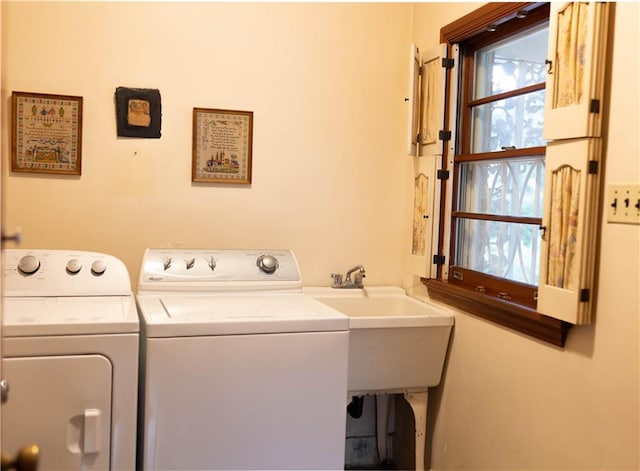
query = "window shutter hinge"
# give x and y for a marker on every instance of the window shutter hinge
(593, 167)
(442, 174)
(594, 106)
(444, 135)
(438, 259)
(447, 63)
(420, 70)
(584, 295)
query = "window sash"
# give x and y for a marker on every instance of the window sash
(503, 187)
(503, 154)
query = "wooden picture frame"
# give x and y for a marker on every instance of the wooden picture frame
(46, 133)
(222, 146)
(138, 112)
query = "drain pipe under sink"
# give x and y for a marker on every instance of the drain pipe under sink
(382, 426)
(356, 406)
(355, 409)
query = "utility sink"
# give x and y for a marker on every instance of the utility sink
(396, 343)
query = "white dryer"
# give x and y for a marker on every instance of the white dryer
(240, 370)
(70, 359)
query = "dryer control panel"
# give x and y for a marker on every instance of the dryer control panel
(63, 273)
(219, 270)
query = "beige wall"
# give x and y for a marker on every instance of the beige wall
(510, 402)
(326, 83)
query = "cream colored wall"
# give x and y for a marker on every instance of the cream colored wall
(510, 402)
(326, 83)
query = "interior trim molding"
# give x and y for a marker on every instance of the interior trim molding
(514, 316)
(477, 21)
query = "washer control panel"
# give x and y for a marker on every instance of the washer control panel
(218, 269)
(63, 273)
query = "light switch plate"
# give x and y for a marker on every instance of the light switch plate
(623, 204)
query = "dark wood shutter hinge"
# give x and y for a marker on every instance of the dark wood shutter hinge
(442, 174)
(444, 135)
(438, 259)
(594, 106)
(447, 63)
(593, 167)
(584, 295)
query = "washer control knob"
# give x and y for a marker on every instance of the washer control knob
(98, 267)
(267, 263)
(28, 264)
(190, 263)
(74, 266)
(212, 263)
(166, 263)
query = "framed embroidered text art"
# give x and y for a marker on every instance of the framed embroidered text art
(46, 133)
(222, 146)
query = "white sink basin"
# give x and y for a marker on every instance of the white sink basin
(395, 342)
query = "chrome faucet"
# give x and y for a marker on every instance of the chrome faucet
(358, 273)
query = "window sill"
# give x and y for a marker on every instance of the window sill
(519, 318)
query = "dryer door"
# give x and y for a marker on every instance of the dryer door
(62, 403)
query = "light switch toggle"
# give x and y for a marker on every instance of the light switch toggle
(620, 208)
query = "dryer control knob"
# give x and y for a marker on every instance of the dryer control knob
(98, 267)
(74, 266)
(267, 263)
(4, 390)
(28, 264)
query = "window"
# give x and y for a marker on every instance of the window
(517, 227)
(497, 167)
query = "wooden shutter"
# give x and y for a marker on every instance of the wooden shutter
(569, 229)
(575, 80)
(425, 211)
(426, 201)
(413, 100)
(432, 86)
(573, 165)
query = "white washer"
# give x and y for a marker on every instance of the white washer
(240, 370)
(70, 359)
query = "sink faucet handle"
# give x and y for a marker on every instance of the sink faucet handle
(357, 279)
(337, 279)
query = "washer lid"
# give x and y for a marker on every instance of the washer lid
(45, 316)
(183, 316)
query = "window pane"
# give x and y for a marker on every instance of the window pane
(513, 122)
(511, 64)
(510, 187)
(507, 250)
